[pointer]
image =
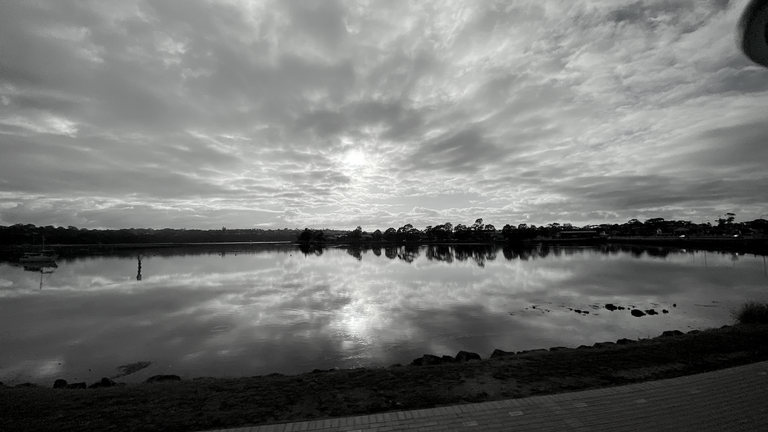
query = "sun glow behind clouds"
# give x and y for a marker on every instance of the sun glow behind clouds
(355, 159)
(402, 112)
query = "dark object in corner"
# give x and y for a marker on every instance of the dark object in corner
(753, 32)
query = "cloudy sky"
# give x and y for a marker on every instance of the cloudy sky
(271, 114)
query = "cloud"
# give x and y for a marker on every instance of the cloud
(198, 109)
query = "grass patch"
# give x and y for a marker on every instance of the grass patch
(752, 312)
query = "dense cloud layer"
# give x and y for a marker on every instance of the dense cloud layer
(336, 114)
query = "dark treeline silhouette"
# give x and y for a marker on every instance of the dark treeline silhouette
(31, 235)
(479, 232)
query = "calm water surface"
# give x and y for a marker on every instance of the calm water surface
(276, 309)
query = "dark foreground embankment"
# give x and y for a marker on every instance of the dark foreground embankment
(208, 403)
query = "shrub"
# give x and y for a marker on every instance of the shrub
(752, 312)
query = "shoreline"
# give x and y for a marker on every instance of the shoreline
(724, 244)
(210, 403)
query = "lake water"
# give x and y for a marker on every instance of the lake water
(265, 309)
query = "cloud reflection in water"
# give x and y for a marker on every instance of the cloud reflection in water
(278, 310)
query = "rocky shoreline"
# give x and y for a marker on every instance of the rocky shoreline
(220, 403)
(424, 360)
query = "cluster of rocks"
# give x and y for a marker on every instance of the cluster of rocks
(636, 312)
(429, 359)
(106, 382)
(464, 356)
(624, 341)
(610, 307)
(639, 313)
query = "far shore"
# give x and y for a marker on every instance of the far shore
(215, 403)
(747, 244)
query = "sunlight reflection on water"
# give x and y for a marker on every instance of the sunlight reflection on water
(274, 309)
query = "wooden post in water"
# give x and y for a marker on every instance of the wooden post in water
(138, 275)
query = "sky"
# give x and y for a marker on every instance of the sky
(334, 114)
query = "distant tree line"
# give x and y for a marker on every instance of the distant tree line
(29, 234)
(480, 232)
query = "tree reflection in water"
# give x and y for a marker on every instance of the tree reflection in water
(481, 254)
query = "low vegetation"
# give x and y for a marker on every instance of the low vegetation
(752, 312)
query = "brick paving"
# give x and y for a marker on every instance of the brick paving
(734, 399)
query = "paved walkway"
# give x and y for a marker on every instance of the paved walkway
(734, 399)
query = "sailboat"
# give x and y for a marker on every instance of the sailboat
(44, 268)
(42, 256)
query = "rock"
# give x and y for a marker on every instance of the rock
(464, 356)
(603, 344)
(651, 312)
(499, 353)
(163, 378)
(427, 360)
(60, 383)
(23, 385)
(674, 304)
(578, 311)
(694, 332)
(80, 385)
(448, 359)
(581, 347)
(670, 333)
(396, 365)
(318, 371)
(585, 312)
(725, 327)
(540, 350)
(560, 348)
(625, 341)
(637, 313)
(105, 382)
(664, 311)
(610, 307)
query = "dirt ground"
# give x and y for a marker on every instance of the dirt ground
(212, 403)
